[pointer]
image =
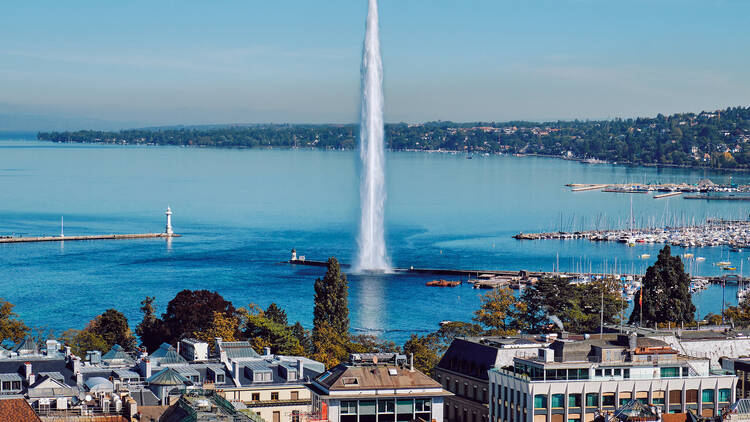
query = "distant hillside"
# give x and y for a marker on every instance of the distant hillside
(717, 139)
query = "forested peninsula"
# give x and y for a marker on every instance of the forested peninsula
(717, 139)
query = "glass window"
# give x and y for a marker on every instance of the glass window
(16, 385)
(675, 397)
(657, 397)
(583, 374)
(349, 407)
(685, 371)
(423, 405)
(725, 395)
(275, 395)
(558, 400)
(574, 419)
(404, 410)
(6, 386)
(707, 396)
(256, 397)
(550, 373)
(574, 400)
(670, 372)
(617, 372)
(598, 372)
(592, 400)
(625, 398)
(691, 396)
(386, 406)
(367, 407)
(626, 373)
(540, 401)
(608, 372)
(608, 399)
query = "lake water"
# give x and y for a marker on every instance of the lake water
(241, 212)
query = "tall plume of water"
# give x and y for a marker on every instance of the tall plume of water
(372, 255)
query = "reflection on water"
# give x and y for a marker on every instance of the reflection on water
(370, 303)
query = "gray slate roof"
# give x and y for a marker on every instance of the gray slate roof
(167, 376)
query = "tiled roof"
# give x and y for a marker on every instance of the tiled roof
(345, 377)
(17, 410)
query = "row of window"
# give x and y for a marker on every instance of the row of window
(10, 386)
(557, 401)
(536, 373)
(294, 395)
(401, 410)
(463, 389)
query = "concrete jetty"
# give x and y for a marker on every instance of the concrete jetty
(168, 233)
(13, 239)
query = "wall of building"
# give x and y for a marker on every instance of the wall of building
(471, 397)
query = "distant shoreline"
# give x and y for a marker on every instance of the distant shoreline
(439, 151)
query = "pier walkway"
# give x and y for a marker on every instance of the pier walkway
(89, 237)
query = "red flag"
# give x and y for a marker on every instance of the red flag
(640, 299)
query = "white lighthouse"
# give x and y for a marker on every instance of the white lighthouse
(168, 229)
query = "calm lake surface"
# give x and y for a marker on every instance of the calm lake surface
(241, 212)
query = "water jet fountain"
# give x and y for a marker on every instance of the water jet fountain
(372, 255)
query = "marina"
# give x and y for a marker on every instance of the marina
(732, 233)
(78, 238)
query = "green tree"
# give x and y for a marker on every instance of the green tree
(264, 332)
(82, 341)
(151, 329)
(499, 311)
(665, 292)
(276, 314)
(192, 311)
(366, 343)
(11, 328)
(332, 301)
(425, 350)
(113, 327)
(303, 336)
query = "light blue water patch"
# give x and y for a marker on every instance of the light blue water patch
(241, 212)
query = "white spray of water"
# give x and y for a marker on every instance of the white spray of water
(372, 255)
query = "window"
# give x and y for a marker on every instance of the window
(540, 401)
(625, 398)
(691, 396)
(423, 405)
(348, 411)
(275, 395)
(725, 395)
(642, 396)
(598, 372)
(295, 395)
(574, 400)
(608, 399)
(256, 396)
(685, 371)
(617, 372)
(386, 406)
(626, 373)
(670, 372)
(675, 397)
(16, 385)
(558, 401)
(707, 396)
(219, 379)
(592, 400)
(295, 415)
(608, 372)
(574, 419)
(657, 397)
(349, 407)
(367, 411)
(405, 410)
(6, 385)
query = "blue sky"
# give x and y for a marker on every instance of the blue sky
(195, 62)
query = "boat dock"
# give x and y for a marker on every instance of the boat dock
(718, 198)
(667, 195)
(12, 239)
(583, 188)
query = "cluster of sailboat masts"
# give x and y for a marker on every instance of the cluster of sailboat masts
(732, 233)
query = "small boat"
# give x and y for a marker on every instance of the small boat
(728, 268)
(723, 263)
(645, 256)
(700, 259)
(735, 249)
(687, 255)
(442, 283)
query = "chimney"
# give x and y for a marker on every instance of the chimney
(76, 365)
(27, 372)
(236, 370)
(52, 346)
(300, 370)
(266, 351)
(178, 346)
(411, 362)
(67, 351)
(79, 379)
(146, 368)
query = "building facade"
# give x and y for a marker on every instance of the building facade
(575, 380)
(376, 388)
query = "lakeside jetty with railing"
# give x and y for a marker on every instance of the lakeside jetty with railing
(704, 189)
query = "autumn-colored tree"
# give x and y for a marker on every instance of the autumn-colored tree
(366, 343)
(113, 327)
(498, 312)
(151, 330)
(11, 328)
(329, 345)
(223, 326)
(192, 311)
(82, 341)
(425, 352)
(263, 332)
